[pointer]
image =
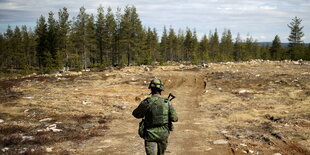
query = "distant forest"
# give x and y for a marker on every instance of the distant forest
(119, 39)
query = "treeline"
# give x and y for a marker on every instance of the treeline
(119, 39)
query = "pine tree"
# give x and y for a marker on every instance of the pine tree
(295, 43)
(276, 49)
(264, 51)
(138, 34)
(117, 50)
(171, 44)
(203, 49)
(163, 46)
(8, 53)
(100, 26)
(238, 48)
(308, 53)
(52, 43)
(151, 46)
(109, 37)
(181, 49)
(2, 53)
(248, 53)
(125, 36)
(214, 47)
(194, 52)
(41, 39)
(188, 45)
(154, 45)
(32, 49)
(63, 35)
(18, 57)
(226, 46)
(26, 46)
(79, 38)
(91, 46)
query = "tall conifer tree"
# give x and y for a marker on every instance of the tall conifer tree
(63, 35)
(41, 39)
(204, 49)
(109, 37)
(276, 49)
(100, 33)
(214, 47)
(295, 50)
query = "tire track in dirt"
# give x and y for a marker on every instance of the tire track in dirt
(195, 131)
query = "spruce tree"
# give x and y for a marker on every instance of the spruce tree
(295, 50)
(276, 49)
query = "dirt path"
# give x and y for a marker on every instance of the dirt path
(194, 133)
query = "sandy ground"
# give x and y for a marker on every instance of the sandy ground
(231, 108)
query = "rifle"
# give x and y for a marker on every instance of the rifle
(170, 125)
(172, 97)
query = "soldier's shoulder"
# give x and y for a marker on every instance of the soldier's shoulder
(147, 100)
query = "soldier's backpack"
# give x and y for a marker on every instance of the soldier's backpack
(141, 129)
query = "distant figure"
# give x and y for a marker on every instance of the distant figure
(158, 113)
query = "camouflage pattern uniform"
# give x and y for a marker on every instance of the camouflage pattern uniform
(157, 112)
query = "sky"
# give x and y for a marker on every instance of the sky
(261, 19)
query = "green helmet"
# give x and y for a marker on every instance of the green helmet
(157, 83)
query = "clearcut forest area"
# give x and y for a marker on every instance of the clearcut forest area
(254, 107)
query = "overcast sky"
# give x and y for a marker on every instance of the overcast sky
(262, 19)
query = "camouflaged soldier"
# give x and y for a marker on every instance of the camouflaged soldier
(157, 112)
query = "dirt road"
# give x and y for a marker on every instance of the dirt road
(193, 134)
(225, 109)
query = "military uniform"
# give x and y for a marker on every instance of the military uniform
(157, 112)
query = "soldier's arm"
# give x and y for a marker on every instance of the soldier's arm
(172, 113)
(140, 111)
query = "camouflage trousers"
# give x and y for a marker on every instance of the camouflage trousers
(155, 148)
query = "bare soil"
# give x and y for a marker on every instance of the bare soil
(228, 108)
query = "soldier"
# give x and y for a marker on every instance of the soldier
(157, 112)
